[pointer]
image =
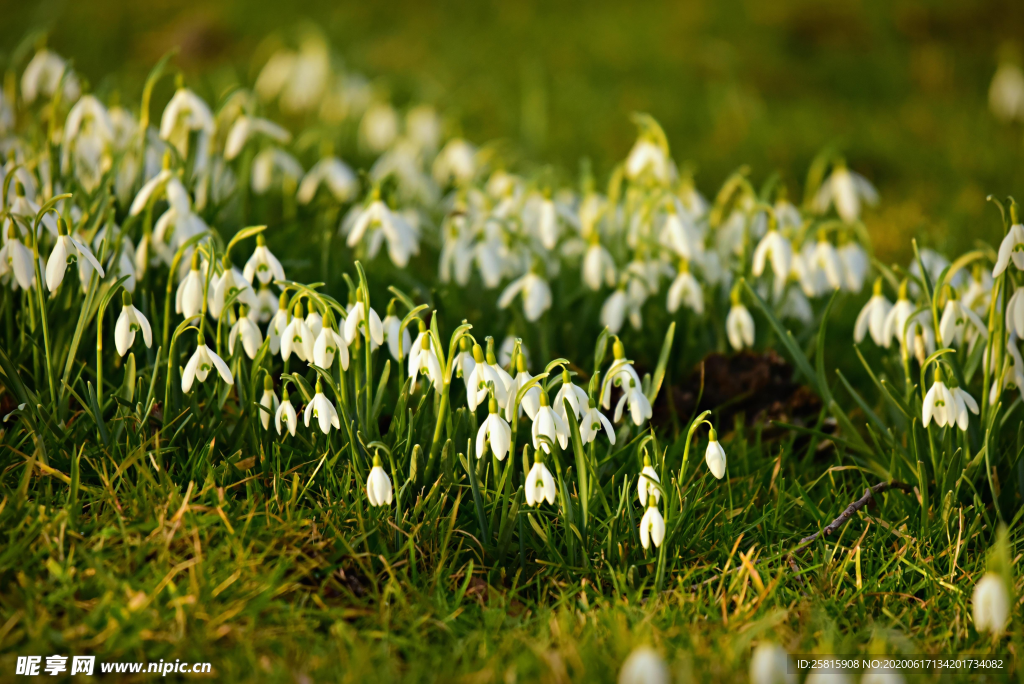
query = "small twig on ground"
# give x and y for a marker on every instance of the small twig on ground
(860, 503)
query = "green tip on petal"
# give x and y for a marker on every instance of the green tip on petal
(126, 298)
(268, 383)
(261, 241)
(62, 227)
(618, 350)
(713, 436)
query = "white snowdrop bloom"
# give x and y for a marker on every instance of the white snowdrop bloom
(774, 247)
(455, 162)
(881, 676)
(962, 403)
(285, 414)
(262, 264)
(66, 251)
(379, 224)
(184, 114)
(88, 140)
(645, 483)
(621, 373)
(795, 306)
(297, 338)
(956, 316)
(991, 603)
(494, 431)
(939, 404)
(846, 190)
(279, 321)
(227, 285)
(314, 321)
(244, 328)
(424, 361)
(16, 259)
(872, 318)
(378, 128)
(354, 323)
(592, 422)
(505, 350)
(576, 396)
(129, 322)
(770, 664)
(404, 163)
(714, 456)
(639, 405)
(545, 223)
(332, 173)
(1012, 247)
(188, 298)
(1006, 93)
(827, 259)
(680, 235)
(271, 166)
(464, 361)
(298, 78)
(685, 290)
(246, 128)
(269, 402)
(644, 666)
(613, 311)
(898, 317)
(423, 126)
(598, 266)
(647, 158)
(921, 338)
(540, 485)
(398, 344)
(266, 305)
(323, 410)
(739, 326)
(531, 400)
(329, 344)
(43, 75)
(652, 526)
(855, 264)
(548, 424)
(24, 207)
(1013, 371)
(378, 485)
(204, 360)
(1015, 312)
(536, 295)
(978, 293)
(476, 381)
(806, 272)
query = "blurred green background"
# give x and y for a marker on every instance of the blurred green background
(900, 86)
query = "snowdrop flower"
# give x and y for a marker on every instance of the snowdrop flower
(378, 485)
(380, 224)
(773, 246)
(476, 381)
(536, 295)
(184, 114)
(531, 400)
(494, 431)
(378, 128)
(67, 251)
(245, 328)
(872, 318)
(314, 321)
(621, 373)
(827, 260)
(647, 158)
(855, 263)
(277, 324)
(225, 286)
(796, 306)
(262, 264)
(939, 404)
(644, 666)
(425, 361)
(956, 316)
(645, 485)
(1011, 248)
(576, 397)
(898, 316)
(333, 173)
(770, 664)
(423, 126)
(354, 323)
(685, 290)
(285, 414)
(266, 305)
(329, 344)
(16, 258)
(540, 485)
(991, 604)
(962, 403)
(598, 266)
(42, 76)
(549, 425)
(739, 324)
(297, 77)
(248, 127)
(680, 235)
(188, 298)
(323, 410)
(652, 526)
(455, 162)
(592, 422)
(1013, 372)
(130, 321)
(297, 337)
(400, 344)
(1015, 312)
(270, 402)
(546, 223)
(639, 406)
(846, 190)
(1006, 93)
(202, 362)
(274, 165)
(505, 351)
(464, 361)
(613, 311)
(714, 456)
